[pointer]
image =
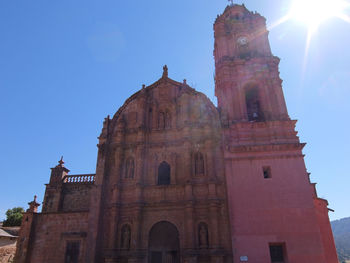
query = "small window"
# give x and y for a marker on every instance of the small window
(164, 174)
(199, 164)
(277, 254)
(72, 252)
(267, 172)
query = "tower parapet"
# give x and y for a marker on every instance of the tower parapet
(240, 33)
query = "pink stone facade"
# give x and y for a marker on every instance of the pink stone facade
(180, 180)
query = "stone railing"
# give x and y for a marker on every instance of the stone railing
(81, 178)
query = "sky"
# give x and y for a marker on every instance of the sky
(65, 65)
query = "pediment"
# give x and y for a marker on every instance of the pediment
(168, 97)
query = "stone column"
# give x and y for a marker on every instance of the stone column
(96, 198)
(117, 171)
(113, 236)
(173, 162)
(190, 233)
(214, 225)
(136, 235)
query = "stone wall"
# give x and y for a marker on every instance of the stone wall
(76, 197)
(53, 231)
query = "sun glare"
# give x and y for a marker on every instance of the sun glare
(314, 12)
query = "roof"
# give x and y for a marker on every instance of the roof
(3, 233)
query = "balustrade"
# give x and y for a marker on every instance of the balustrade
(83, 178)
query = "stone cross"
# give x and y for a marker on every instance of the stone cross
(165, 71)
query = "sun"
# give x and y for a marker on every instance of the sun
(314, 12)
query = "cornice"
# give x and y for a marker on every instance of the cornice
(228, 61)
(266, 148)
(168, 143)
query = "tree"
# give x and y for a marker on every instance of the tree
(14, 217)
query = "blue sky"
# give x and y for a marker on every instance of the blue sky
(65, 65)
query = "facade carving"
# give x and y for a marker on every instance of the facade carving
(180, 180)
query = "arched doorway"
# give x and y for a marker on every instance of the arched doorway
(164, 244)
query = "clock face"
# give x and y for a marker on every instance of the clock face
(242, 41)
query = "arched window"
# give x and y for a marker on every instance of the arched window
(167, 120)
(203, 239)
(238, 16)
(198, 163)
(253, 105)
(125, 237)
(129, 168)
(161, 121)
(164, 174)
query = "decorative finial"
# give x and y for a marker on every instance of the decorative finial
(33, 206)
(185, 82)
(143, 86)
(165, 71)
(231, 1)
(61, 162)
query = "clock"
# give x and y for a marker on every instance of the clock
(242, 41)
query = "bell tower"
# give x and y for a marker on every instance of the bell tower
(248, 86)
(275, 214)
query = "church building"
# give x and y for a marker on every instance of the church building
(181, 180)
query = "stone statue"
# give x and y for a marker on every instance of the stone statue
(130, 168)
(167, 120)
(126, 237)
(165, 71)
(161, 121)
(203, 235)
